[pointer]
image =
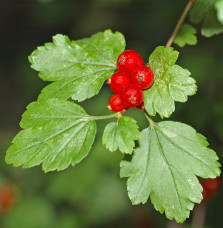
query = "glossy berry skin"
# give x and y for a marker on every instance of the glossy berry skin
(132, 96)
(119, 81)
(116, 103)
(142, 76)
(128, 60)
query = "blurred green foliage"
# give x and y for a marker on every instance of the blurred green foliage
(92, 194)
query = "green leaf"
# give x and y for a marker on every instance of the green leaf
(161, 59)
(57, 134)
(219, 8)
(171, 83)
(211, 25)
(200, 9)
(165, 165)
(79, 67)
(121, 135)
(186, 35)
(205, 10)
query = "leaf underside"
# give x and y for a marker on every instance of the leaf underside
(165, 165)
(56, 133)
(172, 83)
(78, 67)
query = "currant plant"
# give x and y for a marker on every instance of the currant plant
(169, 156)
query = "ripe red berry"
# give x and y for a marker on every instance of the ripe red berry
(141, 106)
(132, 96)
(6, 198)
(205, 194)
(142, 76)
(128, 60)
(212, 185)
(210, 188)
(116, 103)
(119, 81)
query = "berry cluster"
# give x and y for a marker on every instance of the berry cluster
(129, 82)
(210, 188)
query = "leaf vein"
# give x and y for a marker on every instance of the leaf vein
(181, 148)
(169, 167)
(102, 53)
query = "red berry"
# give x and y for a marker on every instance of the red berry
(132, 96)
(116, 103)
(205, 194)
(212, 185)
(128, 60)
(142, 76)
(141, 106)
(119, 81)
(210, 188)
(6, 198)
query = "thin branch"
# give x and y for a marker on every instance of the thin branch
(173, 224)
(198, 219)
(180, 22)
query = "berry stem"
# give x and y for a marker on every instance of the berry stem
(180, 22)
(114, 115)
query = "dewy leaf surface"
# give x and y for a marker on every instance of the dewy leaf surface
(164, 168)
(57, 133)
(78, 67)
(172, 83)
(186, 35)
(121, 135)
(207, 11)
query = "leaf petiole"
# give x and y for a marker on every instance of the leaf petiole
(149, 119)
(116, 114)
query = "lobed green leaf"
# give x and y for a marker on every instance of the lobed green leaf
(78, 67)
(219, 8)
(165, 165)
(186, 35)
(172, 83)
(57, 133)
(121, 135)
(208, 11)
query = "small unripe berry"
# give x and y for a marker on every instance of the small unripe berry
(128, 60)
(116, 103)
(119, 81)
(142, 76)
(132, 96)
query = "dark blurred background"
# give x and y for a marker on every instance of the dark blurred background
(92, 194)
